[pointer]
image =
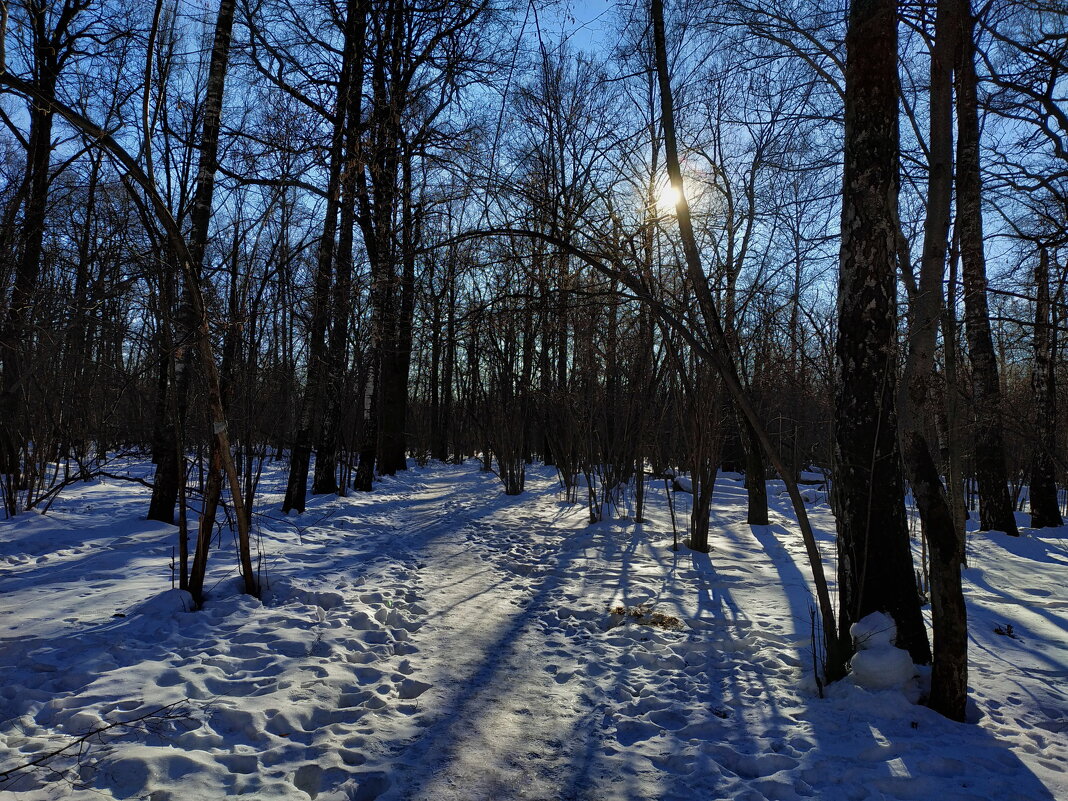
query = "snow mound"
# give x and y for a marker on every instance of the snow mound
(682, 484)
(877, 630)
(882, 668)
(163, 605)
(878, 665)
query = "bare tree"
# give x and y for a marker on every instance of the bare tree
(949, 682)
(995, 509)
(874, 557)
(1045, 510)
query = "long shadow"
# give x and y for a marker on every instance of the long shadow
(1011, 600)
(595, 756)
(983, 761)
(381, 542)
(697, 715)
(132, 538)
(439, 741)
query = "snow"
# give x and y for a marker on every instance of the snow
(438, 640)
(877, 664)
(875, 631)
(683, 484)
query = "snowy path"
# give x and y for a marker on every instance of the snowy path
(438, 640)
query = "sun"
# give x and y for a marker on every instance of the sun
(668, 199)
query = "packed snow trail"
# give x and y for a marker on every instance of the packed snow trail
(438, 640)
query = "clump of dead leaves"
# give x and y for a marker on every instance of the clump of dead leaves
(646, 616)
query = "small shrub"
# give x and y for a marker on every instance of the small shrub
(1006, 631)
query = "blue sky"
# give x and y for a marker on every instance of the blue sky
(588, 24)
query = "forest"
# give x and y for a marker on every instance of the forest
(384, 281)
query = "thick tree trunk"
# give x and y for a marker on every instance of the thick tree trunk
(995, 506)
(875, 572)
(756, 485)
(363, 479)
(165, 452)
(1044, 508)
(393, 387)
(392, 446)
(703, 484)
(949, 616)
(325, 479)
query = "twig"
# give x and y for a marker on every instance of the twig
(164, 713)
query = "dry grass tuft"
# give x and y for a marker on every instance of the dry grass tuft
(647, 617)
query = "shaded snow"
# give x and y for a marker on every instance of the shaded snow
(877, 664)
(439, 640)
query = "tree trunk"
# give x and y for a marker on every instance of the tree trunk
(1044, 508)
(165, 451)
(949, 678)
(875, 572)
(393, 413)
(318, 368)
(995, 506)
(377, 192)
(756, 485)
(200, 219)
(435, 434)
(350, 118)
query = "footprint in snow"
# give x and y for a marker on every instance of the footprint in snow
(629, 732)
(412, 688)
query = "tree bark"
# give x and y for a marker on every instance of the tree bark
(1044, 508)
(875, 571)
(949, 678)
(756, 484)
(995, 506)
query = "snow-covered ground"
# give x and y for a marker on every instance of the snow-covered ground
(439, 640)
